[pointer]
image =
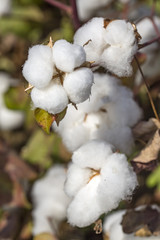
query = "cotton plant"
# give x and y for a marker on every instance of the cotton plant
(9, 119)
(112, 226)
(111, 44)
(50, 201)
(151, 65)
(57, 75)
(109, 115)
(97, 180)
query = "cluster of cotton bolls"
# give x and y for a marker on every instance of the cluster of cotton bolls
(9, 119)
(50, 201)
(57, 75)
(97, 180)
(108, 115)
(112, 44)
(112, 227)
(151, 65)
(5, 7)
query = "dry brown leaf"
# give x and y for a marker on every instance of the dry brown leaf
(145, 129)
(147, 158)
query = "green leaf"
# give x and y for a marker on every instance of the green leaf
(44, 119)
(154, 178)
(16, 99)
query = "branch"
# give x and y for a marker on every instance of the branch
(140, 46)
(75, 16)
(147, 88)
(60, 5)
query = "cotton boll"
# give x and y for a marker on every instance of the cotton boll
(112, 225)
(114, 185)
(78, 85)
(119, 32)
(82, 177)
(53, 98)
(88, 156)
(4, 82)
(146, 30)
(68, 56)
(87, 8)
(91, 35)
(50, 201)
(84, 208)
(5, 7)
(39, 68)
(10, 119)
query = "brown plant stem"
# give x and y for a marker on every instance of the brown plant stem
(75, 16)
(60, 5)
(140, 46)
(147, 88)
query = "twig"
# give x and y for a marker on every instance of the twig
(75, 16)
(147, 88)
(60, 5)
(140, 46)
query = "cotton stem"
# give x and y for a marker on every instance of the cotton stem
(147, 88)
(140, 46)
(75, 16)
(60, 5)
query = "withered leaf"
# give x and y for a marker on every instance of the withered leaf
(45, 236)
(147, 158)
(134, 220)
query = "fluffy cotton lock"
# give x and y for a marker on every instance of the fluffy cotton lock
(38, 70)
(50, 201)
(151, 65)
(53, 98)
(111, 45)
(67, 56)
(108, 115)
(112, 227)
(107, 179)
(78, 85)
(9, 119)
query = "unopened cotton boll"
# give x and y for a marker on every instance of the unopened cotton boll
(110, 179)
(78, 85)
(68, 56)
(52, 99)
(38, 70)
(50, 201)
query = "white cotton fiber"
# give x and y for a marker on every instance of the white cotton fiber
(68, 56)
(87, 8)
(5, 7)
(39, 68)
(112, 47)
(50, 201)
(88, 156)
(147, 31)
(10, 119)
(108, 179)
(117, 181)
(53, 98)
(84, 208)
(82, 177)
(5, 81)
(78, 85)
(91, 35)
